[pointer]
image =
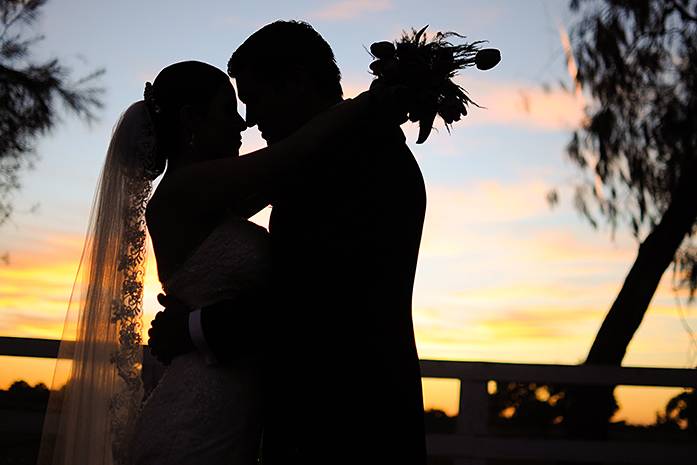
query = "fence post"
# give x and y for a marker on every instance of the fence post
(473, 415)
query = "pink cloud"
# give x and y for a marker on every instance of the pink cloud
(451, 212)
(521, 104)
(351, 9)
(510, 103)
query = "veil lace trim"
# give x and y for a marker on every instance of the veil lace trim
(90, 420)
(127, 312)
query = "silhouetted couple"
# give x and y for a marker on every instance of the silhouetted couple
(297, 344)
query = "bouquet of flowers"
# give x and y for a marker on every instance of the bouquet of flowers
(427, 68)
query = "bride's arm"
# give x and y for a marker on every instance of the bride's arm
(217, 183)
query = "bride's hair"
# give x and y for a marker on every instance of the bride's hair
(185, 84)
(91, 418)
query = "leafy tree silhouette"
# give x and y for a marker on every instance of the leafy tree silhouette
(21, 396)
(22, 410)
(29, 92)
(638, 153)
(681, 412)
(529, 407)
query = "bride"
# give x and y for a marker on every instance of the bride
(199, 412)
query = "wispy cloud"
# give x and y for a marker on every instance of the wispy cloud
(351, 9)
(548, 322)
(452, 212)
(489, 201)
(540, 293)
(524, 104)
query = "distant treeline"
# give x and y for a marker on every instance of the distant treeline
(515, 409)
(21, 396)
(529, 407)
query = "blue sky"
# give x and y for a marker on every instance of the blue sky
(501, 275)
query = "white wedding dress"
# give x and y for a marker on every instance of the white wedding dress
(202, 413)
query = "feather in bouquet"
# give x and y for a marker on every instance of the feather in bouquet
(427, 68)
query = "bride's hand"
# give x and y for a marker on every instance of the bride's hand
(169, 334)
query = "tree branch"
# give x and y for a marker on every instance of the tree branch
(686, 15)
(8, 24)
(26, 12)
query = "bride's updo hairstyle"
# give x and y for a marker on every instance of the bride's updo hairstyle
(187, 83)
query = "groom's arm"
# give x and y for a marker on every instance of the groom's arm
(230, 329)
(225, 331)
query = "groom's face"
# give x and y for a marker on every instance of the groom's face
(278, 108)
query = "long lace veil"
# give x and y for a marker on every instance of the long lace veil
(89, 420)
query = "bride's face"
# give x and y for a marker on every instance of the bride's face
(219, 132)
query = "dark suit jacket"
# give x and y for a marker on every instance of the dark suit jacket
(340, 369)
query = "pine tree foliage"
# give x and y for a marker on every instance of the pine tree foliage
(31, 94)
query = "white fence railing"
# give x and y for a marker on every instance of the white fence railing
(472, 443)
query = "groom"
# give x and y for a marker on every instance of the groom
(340, 368)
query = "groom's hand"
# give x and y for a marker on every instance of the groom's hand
(169, 334)
(394, 102)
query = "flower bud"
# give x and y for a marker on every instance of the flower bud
(377, 67)
(382, 49)
(449, 114)
(450, 109)
(487, 58)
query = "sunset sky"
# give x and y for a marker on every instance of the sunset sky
(501, 277)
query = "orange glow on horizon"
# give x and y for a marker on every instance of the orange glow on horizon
(506, 321)
(638, 405)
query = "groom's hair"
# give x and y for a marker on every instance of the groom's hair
(282, 45)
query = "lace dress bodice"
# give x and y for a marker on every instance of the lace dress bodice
(235, 257)
(201, 413)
